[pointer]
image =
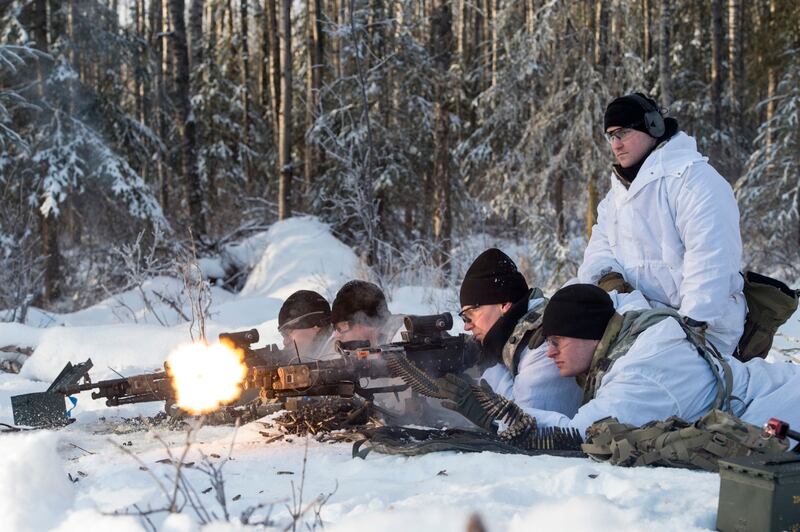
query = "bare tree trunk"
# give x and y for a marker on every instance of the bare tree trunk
(264, 91)
(486, 44)
(245, 74)
(601, 39)
(137, 77)
(716, 82)
(315, 48)
(186, 120)
(716, 64)
(646, 38)
(74, 54)
(600, 33)
(462, 31)
(664, 68)
(336, 41)
(495, 40)
(735, 75)
(530, 16)
(441, 43)
(156, 41)
(772, 76)
(734, 53)
(275, 67)
(196, 36)
(48, 225)
(285, 146)
(168, 57)
(558, 203)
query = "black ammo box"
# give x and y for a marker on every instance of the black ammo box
(759, 493)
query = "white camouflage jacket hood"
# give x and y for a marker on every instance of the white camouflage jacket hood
(674, 235)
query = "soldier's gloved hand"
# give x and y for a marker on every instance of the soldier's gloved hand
(614, 281)
(462, 396)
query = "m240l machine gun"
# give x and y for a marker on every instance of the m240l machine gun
(425, 344)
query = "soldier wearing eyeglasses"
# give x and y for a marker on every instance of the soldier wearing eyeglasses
(504, 316)
(669, 225)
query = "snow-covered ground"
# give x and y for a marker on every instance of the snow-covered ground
(76, 478)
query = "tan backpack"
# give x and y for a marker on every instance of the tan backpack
(769, 304)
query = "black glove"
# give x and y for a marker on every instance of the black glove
(462, 396)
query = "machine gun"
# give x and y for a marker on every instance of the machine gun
(426, 345)
(48, 409)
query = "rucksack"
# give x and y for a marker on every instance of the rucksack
(769, 304)
(678, 443)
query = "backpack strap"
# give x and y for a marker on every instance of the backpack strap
(622, 332)
(527, 331)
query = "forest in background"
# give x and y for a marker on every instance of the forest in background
(133, 131)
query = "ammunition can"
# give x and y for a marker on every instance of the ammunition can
(759, 493)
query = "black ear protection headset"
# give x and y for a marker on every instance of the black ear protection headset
(653, 120)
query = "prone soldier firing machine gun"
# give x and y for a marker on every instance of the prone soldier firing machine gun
(426, 345)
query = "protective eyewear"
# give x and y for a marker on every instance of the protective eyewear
(620, 133)
(553, 342)
(342, 327)
(463, 313)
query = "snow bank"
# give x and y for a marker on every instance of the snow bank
(301, 254)
(423, 300)
(244, 255)
(34, 490)
(92, 521)
(153, 304)
(128, 349)
(786, 347)
(20, 335)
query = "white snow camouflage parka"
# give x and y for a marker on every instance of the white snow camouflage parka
(662, 375)
(674, 235)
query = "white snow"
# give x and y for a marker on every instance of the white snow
(34, 490)
(433, 492)
(301, 254)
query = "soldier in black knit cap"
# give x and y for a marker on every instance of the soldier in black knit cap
(304, 321)
(504, 316)
(669, 224)
(360, 312)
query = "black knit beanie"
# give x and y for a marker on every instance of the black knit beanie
(492, 278)
(578, 311)
(357, 300)
(627, 111)
(302, 310)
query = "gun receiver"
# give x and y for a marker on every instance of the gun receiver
(426, 345)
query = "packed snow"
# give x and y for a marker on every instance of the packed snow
(96, 472)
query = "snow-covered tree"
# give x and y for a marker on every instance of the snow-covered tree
(769, 192)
